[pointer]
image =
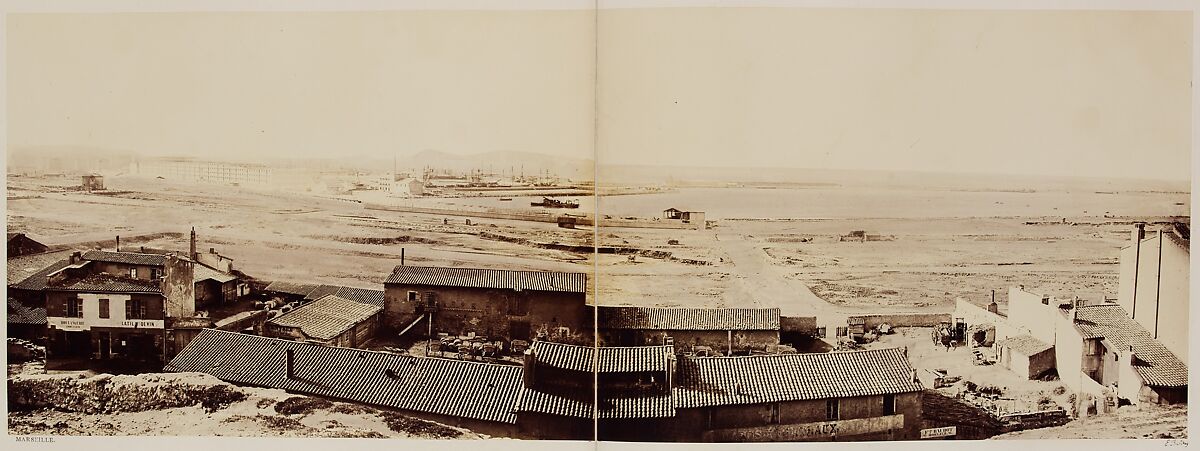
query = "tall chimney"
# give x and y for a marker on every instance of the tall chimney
(291, 364)
(401, 256)
(118, 246)
(528, 363)
(192, 254)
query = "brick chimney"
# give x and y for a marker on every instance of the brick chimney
(192, 253)
(527, 364)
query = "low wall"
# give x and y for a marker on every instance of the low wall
(900, 319)
(806, 325)
(974, 314)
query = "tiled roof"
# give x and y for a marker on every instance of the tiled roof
(104, 283)
(1024, 344)
(603, 359)
(710, 381)
(572, 282)
(659, 318)
(314, 291)
(22, 270)
(625, 408)
(202, 272)
(363, 295)
(455, 388)
(20, 314)
(128, 258)
(326, 318)
(1159, 367)
(299, 289)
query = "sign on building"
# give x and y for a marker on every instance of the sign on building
(948, 431)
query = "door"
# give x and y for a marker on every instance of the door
(105, 345)
(518, 329)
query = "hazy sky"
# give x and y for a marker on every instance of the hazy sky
(305, 84)
(1088, 93)
(1093, 93)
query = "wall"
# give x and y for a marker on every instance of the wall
(687, 340)
(534, 425)
(1161, 298)
(974, 314)
(902, 319)
(1026, 312)
(56, 306)
(1041, 362)
(806, 420)
(486, 311)
(178, 288)
(144, 272)
(1068, 353)
(1130, 384)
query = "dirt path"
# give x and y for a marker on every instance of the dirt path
(761, 283)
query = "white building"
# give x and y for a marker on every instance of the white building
(1154, 284)
(407, 187)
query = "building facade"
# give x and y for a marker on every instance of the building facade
(502, 304)
(1154, 284)
(720, 330)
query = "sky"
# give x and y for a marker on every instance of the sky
(1026, 92)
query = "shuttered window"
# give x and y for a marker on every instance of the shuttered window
(75, 308)
(832, 409)
(135, 309)
(104, 308)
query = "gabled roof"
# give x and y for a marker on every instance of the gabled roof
(20, 314)
(571, 282)
(1024, 344)
(128, 258)
(455, 388)
(105, 283)
(315, 291)
(583, 407)
(711, 381)
(603, 359)
(1159, 367)
(202, 272)
(326, 318)
(659, 318)
(21, 270)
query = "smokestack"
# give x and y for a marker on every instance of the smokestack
(291, 364)
(401, 256)
(192, 254)
(118, 246)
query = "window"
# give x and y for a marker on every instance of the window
(104, 308)
(413, 296)
(775, 413)
(889, 404)
(155, 273)
(832, 409)
(75, 308)
(132, 273)
(135, 309)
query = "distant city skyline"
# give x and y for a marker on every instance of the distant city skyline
(1002, 92)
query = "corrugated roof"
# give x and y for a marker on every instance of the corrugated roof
(326, 318)
(363, 295)
(455, 388)
(604, 359)
(29, 272)
(298, 289)
(128, 258)
(571, 282)
(1024, 344)
(202, 272)
(683, 318)
(710, 381)
(582, 407)
(105, 283)
(1159, 366)
(20, 314)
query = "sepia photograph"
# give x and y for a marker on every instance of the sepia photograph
(598, 223)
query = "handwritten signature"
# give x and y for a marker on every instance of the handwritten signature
(1175, 442)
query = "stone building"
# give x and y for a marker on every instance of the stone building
(724, 330)
(502, 304)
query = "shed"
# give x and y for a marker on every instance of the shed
(92, 182)
(1025, 355)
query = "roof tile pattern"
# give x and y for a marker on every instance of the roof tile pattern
(202, 272)
(614, 408)
(21, 268)
(570, 282)
(1160, 367)
(456, 388)
(38, 279)
(661, 318)
(1024, 344)
(604, 359)
(20, 314)
(128, 258)
(104, 283)
(709, 381)
(326, 318)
